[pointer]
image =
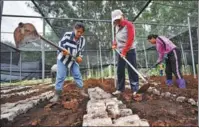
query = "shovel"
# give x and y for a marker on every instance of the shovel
(26, 33)
(146, 85)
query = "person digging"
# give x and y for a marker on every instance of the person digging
(123, 42)
(74, 43)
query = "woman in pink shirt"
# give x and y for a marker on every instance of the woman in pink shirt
(168, 51)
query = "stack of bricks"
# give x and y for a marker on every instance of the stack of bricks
(105, 110)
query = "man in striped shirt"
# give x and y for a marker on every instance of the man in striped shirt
(73, 44)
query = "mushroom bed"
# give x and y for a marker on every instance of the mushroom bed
(159, 106)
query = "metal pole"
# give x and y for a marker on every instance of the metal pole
(145, 56)
(20, 65)
(88, 66)
(10, 66)
(1, 10)
(101, 62)
(192, 55)
(98, 70)
(43, 53)
(185, 64)
(114, 58)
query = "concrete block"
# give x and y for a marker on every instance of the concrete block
(97, 122)
(167, 94)
(156, 92)
(113, 110)
(125, 112)
(180, 99)
(122, 106)
(10, 116)
(96, 115)
(162, 94)
(144, 123)
(192, 101)
(150, 89)
(132, 120)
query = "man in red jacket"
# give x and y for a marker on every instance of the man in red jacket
(124, 38)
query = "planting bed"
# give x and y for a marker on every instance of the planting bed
(72, 110)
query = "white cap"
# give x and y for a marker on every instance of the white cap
(116, 14)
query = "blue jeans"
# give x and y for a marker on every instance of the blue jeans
(61, 75)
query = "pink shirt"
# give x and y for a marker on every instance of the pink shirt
(163, 49)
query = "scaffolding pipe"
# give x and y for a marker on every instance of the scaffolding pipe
(145, 56)
(88, 67)
(183, 56)
(192, 55)
(43, 53)
(94, 20)
(102, 74)
(1, 11)
(10, 66)
(114, 58)
(98, 70)
(20, 65)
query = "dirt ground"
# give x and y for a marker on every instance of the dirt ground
(70, 110)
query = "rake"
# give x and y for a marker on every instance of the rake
(146, 85)
(26, 33)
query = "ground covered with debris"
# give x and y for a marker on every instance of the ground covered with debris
(30, 106)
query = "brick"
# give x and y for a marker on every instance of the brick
(97, 122)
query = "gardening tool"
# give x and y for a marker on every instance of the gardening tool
(26, 33)
(146, 85)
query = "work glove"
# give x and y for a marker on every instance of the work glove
(155, 65)
(78, 59)
(65, 52)
(165, 56)
(114, 45)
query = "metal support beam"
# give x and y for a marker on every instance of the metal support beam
(1, 11)
(10, 66)
(145, 6)
(40, 11)
(191, 45)
(43, 53)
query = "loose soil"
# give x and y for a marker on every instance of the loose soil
(70, 110)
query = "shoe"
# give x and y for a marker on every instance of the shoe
(56, 96)
(169, 82)
(83, 93)
(116, 92)
(181, 83)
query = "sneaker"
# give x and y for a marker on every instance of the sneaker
(83, 93)
(116, 92)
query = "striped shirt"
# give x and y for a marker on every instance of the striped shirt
(75, 48)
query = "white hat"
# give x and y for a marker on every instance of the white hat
(116, 14)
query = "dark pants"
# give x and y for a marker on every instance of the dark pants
(173, 64)
(53, 76)
(133, 77)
